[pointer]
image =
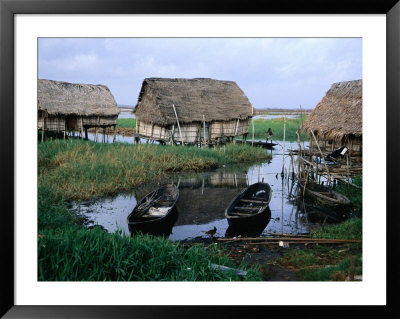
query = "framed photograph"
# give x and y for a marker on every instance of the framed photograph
(36, 37)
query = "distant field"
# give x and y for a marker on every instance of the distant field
(282, 111)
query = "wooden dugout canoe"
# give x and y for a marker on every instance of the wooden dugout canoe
(249, 207)
(155, 213)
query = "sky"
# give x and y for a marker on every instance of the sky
(272, 72)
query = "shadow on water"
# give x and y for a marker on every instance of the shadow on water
(203, 198)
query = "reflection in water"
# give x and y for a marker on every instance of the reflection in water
(205, 196)
(163, 228)
(253, 231)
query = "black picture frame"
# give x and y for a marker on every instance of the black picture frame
(8, 10)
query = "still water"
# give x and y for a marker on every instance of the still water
(204, 196)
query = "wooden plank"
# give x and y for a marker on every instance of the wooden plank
(293, 239)
(247, 208)
(253, 201)
(241, 214)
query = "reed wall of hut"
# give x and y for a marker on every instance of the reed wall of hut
(193, 133)
(336, 121)
(65, 107)
(192, 110)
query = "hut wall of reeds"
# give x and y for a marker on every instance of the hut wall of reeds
(197, 110)
(337, 119)
(64, 106)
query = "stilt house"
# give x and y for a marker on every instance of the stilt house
(191, 111)
(64, 107)
(337, 119)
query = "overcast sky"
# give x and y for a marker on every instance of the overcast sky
(272, 72)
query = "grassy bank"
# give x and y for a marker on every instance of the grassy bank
(75, 169)
(69, 252)
(83, 170)
(327, 263)
(353, 193)
(260, 126)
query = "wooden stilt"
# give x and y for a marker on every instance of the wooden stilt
(252, 141)
(172, 135)
(115, 130)
(284, 138)
(81, 128)
(179, 127)
(204, 128)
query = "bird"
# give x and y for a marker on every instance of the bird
(211, 232)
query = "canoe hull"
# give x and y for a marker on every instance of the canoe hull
(158, 227)
(147, 221)
(251, 227)
(323, 195)
(256, 196)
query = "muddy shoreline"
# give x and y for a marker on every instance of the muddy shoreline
(263, 257)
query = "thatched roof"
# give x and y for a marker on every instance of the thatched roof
(339, 113)
(193, 98)
(62, 98)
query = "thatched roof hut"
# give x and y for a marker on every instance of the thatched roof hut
(336, 121)
(62, 98)
(64, 106)
(199, 100)
(337, 118)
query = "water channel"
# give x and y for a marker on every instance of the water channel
(204, 196)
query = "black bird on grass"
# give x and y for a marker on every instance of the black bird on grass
(211, 232)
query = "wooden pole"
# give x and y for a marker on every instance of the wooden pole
(115, 130)
(65, 126)
(97, 126)
(284, 137)
(172, 135)
(204, 128)
(252, 121)
(81, 128)
(294, 239)
(322, 156)
(236, 129)
(43, 123)
(299, 155)
(179, 127)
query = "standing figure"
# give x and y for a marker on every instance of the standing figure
(269, 135)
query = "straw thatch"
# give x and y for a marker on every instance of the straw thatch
(216, 100)
(63, 99)
(339, 114)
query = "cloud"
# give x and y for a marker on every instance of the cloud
(271, 71)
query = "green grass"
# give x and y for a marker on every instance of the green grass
(83, 169)
(349, 229)
(353, 193)
(71, 254)
(131, 123)
(75, 169)
(324, 263)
